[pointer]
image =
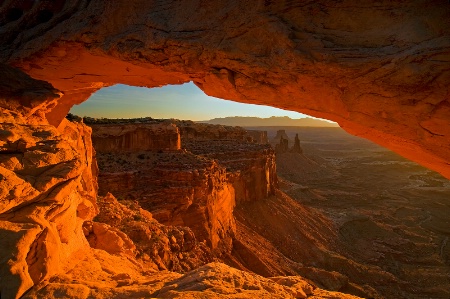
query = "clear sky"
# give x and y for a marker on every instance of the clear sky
(185, 101)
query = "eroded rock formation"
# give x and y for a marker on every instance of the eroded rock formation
(198, 188)
(142, 137)
(380, 70)
(48, 189)
(296, 148)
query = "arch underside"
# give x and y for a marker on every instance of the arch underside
(380, 70)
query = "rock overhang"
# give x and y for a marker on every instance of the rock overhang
(378, 69)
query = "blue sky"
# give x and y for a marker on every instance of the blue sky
(185, 101)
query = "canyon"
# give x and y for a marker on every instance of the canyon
(197, 185)
(304, 231)
(71, 243)
(378, 69)
(209, 185)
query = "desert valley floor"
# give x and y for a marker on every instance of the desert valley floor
(390, 214)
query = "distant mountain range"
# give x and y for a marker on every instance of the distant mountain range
(273, 121)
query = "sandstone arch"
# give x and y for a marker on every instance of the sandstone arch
(380, 69)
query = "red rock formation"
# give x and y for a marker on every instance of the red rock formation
(379, 70)
(296, 148)
(194, 190)
(179, 188)
(48, 190)
(172, 248)
(136, 137)
(111, 276)
(282, 146)
(250, 167)
(280, 134)
(47, 204)
(190, 130)
(258, 136)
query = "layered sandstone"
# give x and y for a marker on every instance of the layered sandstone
(137, 137)
(48, 189)
(378, 69)
(197, 188)
(258, 136)
(126, 227)
(251, 168)
(193, 131)
(113, 277)
(177, 187)
(198, 131)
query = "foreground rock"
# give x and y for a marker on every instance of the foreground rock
(48, 189)
(213, 280)
(173, 248)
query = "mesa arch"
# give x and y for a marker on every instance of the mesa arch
(381, 70)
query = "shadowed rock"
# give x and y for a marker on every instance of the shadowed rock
(379, 70)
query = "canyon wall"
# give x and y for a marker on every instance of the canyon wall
(190, 130)
(378, 69)
(197, 188)
(144, 137)
(258, 136)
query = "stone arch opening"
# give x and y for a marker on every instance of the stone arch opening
(383, 76)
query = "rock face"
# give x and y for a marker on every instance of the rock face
(198, 131)
(134, 231)
(214, 280)
(379, 70)
(258, 136)
(250, 168)
(296, 148)
(280, 134)
(199, 188)
(282, 146)
(48, 189)
(142, 137)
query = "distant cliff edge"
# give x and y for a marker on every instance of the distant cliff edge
(243, 121)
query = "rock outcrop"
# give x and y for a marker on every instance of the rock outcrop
(379, 70)
(281, 143)
(280, 134)
(282, 146)
(214, 280)
(173, 248)
(250, 168)
(136, 137)
(48, 189)
(198, 188)
(258, 136)
(190, 130)
(296, 148)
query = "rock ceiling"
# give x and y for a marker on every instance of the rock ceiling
(380, 69)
